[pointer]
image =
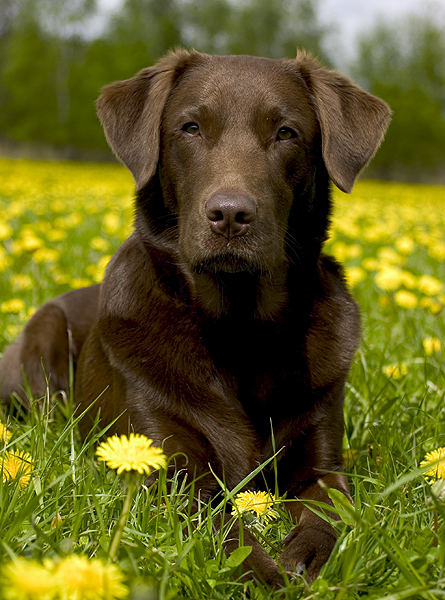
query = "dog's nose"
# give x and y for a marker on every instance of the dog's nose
(230, 214)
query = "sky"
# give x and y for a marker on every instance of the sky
(356, 15)
(352, 17)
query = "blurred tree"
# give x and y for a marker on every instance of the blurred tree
(38, 52)
(9, 9)
(27, 79)
(406, 67)
(274, 28)
(141, 32)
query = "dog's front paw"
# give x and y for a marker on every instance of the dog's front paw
(307, 548)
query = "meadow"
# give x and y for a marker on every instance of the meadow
(59, 225)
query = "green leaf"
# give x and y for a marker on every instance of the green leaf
(344, 508)
(238, 556)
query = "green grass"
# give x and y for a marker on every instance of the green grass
(391, 544)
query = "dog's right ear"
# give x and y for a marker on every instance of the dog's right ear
(352, 121)
(130, 112)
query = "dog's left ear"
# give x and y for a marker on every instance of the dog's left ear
(352, 121)
(130, 112)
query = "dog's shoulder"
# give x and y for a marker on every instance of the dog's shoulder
(143, 270)
(129, 277)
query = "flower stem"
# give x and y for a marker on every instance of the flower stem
(115, 542)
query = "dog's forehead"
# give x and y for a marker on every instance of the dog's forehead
(244, 81)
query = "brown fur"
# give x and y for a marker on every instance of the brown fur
(211, 324)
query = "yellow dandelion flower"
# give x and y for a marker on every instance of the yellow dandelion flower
(30, 311)
(347, 227)
(371, 264)
(389, 278)
(11, 331)
(111, 223)
(433, 306)
(405, 299)
(21, 281)
(17, 464)
(430, 285)
(135, 453)
(100, 244)
(45, 255)
(431, 345)
(259, 503)
(343, 251)
(354, 275)
(437, 251)
(423, 237)
(14, 306)
(97, 272)
(68, 222)
(79, 282)
(435, 460)
(28, 580)
(405, 245)
(28, 242)
(396, 371)
(375, 234)
(5, 434)
(408, 279)
(389, 255)
(5, 231)
(5, 261)
(83, 579)
(354, 250)
(56, 235)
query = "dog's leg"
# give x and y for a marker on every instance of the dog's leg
(258, 564)
(182, 383)
(314, 457)
(309, 545)
(40, 355)
(50, 340)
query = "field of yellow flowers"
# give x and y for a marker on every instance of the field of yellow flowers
(59, 225)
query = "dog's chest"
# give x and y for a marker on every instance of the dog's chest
(263, 365)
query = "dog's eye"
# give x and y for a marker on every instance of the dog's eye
(191, 128)
(286, 133)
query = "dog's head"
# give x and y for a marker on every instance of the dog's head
(238, 146)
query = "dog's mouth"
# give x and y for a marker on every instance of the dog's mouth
(227, 262)
(256, 252)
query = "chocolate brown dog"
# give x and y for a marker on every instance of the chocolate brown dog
(220, 316)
